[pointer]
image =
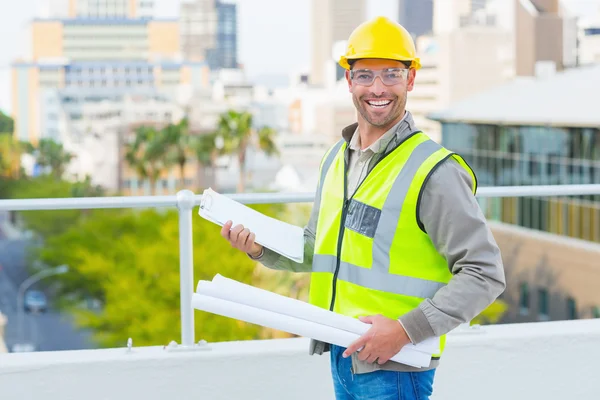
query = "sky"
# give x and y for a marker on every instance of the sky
(273, 35)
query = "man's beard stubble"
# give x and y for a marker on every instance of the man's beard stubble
(399, 105)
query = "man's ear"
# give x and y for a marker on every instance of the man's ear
(412, 73)
(349, 81)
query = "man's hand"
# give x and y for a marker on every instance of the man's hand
(241, 238)
(383, 341)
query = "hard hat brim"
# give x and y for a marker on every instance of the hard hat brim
(343, 62)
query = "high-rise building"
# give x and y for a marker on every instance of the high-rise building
(543, 33)
(416, 16)
(93, 74)
(209, 32)
(447, 14)
(332, 21)
(198, 25)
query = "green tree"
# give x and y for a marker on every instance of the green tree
(129, 260)
(179, 147)
(53, 222)
(52, 154)
(86, 188)
(238, 134)
(11, 151)
(7, 124)
(147, 154)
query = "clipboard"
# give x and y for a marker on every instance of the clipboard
(278, 236)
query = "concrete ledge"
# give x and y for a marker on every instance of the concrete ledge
(549, 360)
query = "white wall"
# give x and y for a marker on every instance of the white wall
(549, 360)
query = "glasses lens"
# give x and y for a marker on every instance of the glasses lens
(393, 77)
(363, 77)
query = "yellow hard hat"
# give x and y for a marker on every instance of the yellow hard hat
(380, 38)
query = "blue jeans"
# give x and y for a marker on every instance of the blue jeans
(380, 385)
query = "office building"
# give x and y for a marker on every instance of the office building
(416, 16)
(332, 22)
(108, 46)
(538, 131)
(544, 32)
(93, 75)
(209, 33)
(534, 131)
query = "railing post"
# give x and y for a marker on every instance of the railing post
(185, 204)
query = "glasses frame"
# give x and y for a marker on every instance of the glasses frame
(379, 73)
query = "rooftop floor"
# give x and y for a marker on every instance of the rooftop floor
(544, 360)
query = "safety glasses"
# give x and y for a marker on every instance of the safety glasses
(389, 76)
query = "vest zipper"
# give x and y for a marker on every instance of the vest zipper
(339, 245)
(345, 212)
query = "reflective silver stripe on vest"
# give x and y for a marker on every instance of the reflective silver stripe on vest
(326, 164)
(377, 280)
(390, 213)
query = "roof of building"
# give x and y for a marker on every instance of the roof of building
(567, 98)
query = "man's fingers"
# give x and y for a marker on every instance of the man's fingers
(382, 360)
(357, 344)
(235, 233)
(243, 237)
(368, 319)
(250, 240)
(371, 359)
(226, 229)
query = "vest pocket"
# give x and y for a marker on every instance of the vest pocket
(362, 218)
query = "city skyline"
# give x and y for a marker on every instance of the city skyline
(257, 58)
(293, 48)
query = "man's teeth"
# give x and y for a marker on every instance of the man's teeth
(379, 103)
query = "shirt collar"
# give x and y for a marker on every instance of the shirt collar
(402, 129)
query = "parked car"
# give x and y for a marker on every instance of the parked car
(35, 301)
(23, 348)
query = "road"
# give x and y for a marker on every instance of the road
(49, 331)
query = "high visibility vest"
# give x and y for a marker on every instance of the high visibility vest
(371, 255)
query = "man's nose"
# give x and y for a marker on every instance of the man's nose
(378, 88)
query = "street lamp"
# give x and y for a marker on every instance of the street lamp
(61, 269)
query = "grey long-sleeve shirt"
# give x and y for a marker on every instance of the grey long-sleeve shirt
(458, 229)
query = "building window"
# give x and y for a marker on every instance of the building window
(571, 308)
(543, 303)
(524, 299)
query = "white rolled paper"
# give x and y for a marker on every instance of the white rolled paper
(231, 290)
(296, 326)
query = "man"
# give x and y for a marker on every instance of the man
(395, 237)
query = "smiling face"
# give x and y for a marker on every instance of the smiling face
(380, 105)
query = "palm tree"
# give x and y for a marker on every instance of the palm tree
(179, 144)
(206, 155)
(147, 154)
(53, 155)
(238, 135)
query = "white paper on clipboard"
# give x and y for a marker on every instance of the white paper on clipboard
(281, 237)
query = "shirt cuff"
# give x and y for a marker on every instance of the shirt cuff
(258, 257)
(416, 325)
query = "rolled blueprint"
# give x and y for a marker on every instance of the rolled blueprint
(296, 326)
(231, 290)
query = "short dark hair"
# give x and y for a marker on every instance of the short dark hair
(406, 63)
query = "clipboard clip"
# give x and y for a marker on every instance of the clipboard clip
(206, 202)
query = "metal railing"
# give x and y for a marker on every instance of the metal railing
(186, 200)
